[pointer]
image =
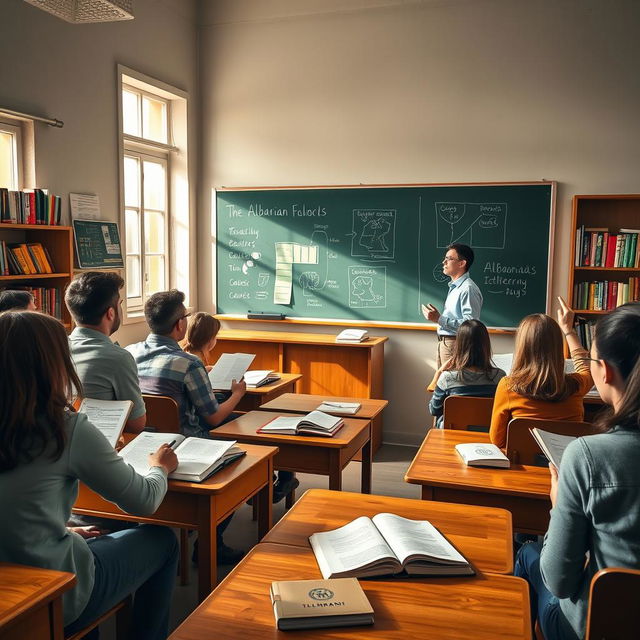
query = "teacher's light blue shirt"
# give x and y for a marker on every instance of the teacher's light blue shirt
(464, 302)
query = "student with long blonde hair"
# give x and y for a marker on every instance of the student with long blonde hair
(537, 386)
(45, 450)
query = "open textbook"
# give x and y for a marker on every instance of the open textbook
(552, 444)
(198, 458)
(386, 544)
(315, 423)
(109, 416)
(230, 366)
(260, 377)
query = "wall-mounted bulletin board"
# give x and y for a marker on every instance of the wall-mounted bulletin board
(97, 244)
(374, 254)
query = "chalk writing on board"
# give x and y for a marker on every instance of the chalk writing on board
(367, 287)
(373, 234)
(480, 225)
(507, 279)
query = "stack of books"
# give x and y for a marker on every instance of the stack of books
(606, 294)
(30, 206)
(24, 259)
(596, 247)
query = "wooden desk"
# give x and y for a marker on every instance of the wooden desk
(307, 454)
(484, 607)
(255, 397)
(371, 409)
(328, 367)
(204, 505)
(31, 602)
(522, 490)
(481, 534)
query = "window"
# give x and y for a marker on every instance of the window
(146, 225)
(10, 156)
(155, 218)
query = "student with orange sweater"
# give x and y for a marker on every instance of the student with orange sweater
(537, 386)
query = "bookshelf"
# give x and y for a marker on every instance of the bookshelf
(610, 212)
(59, 243)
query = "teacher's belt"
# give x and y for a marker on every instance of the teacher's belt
(443, 337)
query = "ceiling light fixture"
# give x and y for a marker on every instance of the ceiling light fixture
(80, 11)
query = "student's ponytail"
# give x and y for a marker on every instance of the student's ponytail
(617, 338)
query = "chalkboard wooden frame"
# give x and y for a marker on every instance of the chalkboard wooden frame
(395, 324)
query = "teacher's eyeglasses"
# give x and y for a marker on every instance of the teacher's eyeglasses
(448, 259)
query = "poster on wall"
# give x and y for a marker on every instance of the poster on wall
(97, 244)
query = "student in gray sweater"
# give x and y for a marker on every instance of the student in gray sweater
(595, 519)
(469, 372)
(45, 449)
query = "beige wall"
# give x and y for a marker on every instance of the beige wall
(299, 92)
(52, 68)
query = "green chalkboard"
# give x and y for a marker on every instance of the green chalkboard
(374, 254)
(97, 244)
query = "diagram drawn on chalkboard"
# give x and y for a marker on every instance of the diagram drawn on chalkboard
(480, 225)
(316, 280)
(367, 287)
(373, 234)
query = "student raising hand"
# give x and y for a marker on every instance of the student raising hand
(565, 317)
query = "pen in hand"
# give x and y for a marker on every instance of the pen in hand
(170, 445)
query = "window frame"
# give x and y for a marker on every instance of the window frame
(180, 212)
(136, 304)
(15, 130)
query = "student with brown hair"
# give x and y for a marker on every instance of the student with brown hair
(469, 372)
(201, 336)
(15, 299)
(537, 386)
(595, 519)
(45, 450)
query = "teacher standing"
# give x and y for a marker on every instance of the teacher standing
(464, 300)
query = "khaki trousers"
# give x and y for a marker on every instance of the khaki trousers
(445, 348)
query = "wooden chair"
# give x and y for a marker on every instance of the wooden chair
(122, 610)
(523, 449)
(162, 413)
(163, 416)
(614, 605)
(467, 413)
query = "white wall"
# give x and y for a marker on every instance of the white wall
(300, 92)
(52, 68)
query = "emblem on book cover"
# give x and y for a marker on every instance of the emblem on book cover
(321, 594)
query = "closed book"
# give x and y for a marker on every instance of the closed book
(586, 249)
(611, 250)
(313, 604)
(339, 408)
(598, 255)
(480, 454)
(33, 268)
(594, 248)
(352, 335)
(605, 243)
